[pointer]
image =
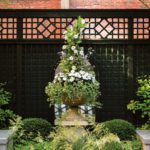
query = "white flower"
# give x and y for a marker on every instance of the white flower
(90, 53)
(83, 21)
(65, 32)
(64, 47)
(84, 77)
(81, 53)
(71, 58)
(75, 36)
(78, 75)
(66, 38)
(56, 76)
(75, 51)
(73, 67)
(71, 79)
(81, 72)
(72, 72)
(59, 79)
(63, 53)
(64, 78)
(86, 73)
(82, 48)
(89, 77)
(73, 47)
(61, 74)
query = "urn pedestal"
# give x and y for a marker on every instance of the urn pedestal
(73, 116)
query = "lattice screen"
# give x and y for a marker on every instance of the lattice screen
(53, 28)
(8, 28)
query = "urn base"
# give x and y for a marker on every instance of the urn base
(73, 118)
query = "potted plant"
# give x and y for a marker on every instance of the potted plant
(74, 82)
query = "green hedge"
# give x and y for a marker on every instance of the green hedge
(124, 129)
(36, 125)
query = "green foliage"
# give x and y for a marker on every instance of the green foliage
(5, 96)
(146, 126)
(35, 130)
(5, 114)
(76, 79)
(19, 136)
(77, 90)
(132, 145)
(124, 129)
(143, 104)
(30, 145)
(114, 145)
(66, 137)
(77, 138)
(136, 145)
(35, 126)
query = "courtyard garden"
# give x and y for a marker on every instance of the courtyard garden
(76, 83)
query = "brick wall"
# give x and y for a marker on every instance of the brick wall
(31, 4)
(57, 4)
(108, 4)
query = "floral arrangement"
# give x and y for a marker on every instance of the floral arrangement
(75, 78)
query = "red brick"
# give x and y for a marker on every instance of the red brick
(107, 4)
(56, 4)
(33, 4)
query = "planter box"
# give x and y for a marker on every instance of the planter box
(145, 138)
(6, 140)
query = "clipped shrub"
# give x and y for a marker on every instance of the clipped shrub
(124, 129)
(35, 126)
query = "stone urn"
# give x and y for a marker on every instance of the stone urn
(73, 115)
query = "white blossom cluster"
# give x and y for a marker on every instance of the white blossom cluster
(74, 76)
(75, 50)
